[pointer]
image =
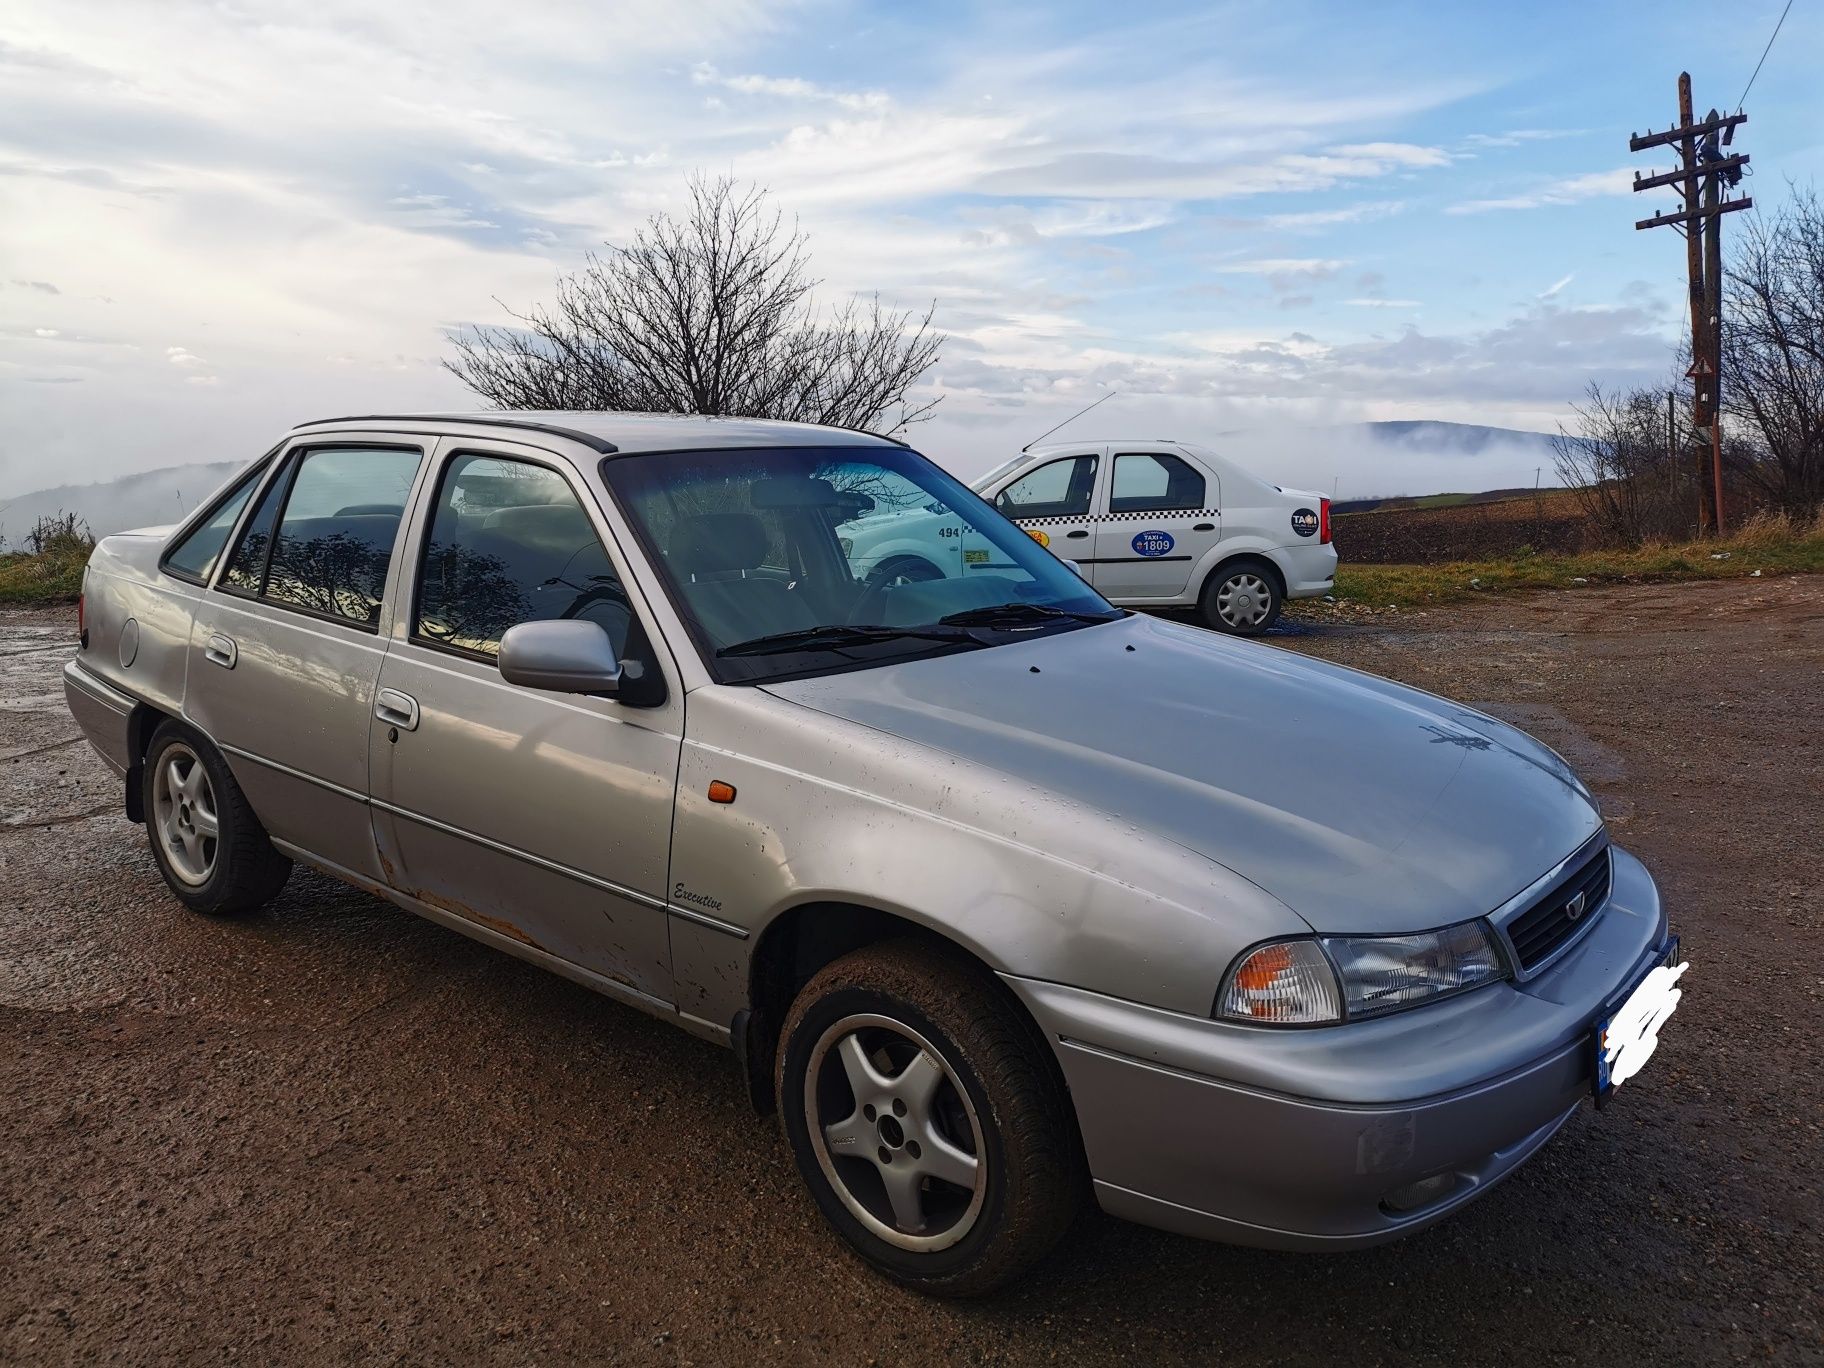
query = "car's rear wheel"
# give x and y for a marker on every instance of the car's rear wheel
(926, 1120)
(212, 850)
(1242, 598)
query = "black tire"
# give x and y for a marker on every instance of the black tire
(243, 871)
(903, 570)
(1241, 597)
(996, 1074)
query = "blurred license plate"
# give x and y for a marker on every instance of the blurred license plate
(1627, 1037)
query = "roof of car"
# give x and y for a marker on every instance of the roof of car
(631, 432)
(1130, 443)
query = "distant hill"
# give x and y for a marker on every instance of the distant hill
(148, 499)
(1470, 439)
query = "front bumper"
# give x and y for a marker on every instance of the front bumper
(1339, 1137)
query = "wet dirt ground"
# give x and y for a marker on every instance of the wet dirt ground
(333, 1132)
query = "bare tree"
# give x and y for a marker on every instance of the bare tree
(706, 312)
(1773, 353)
(1622, 468)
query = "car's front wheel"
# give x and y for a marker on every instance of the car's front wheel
(1242, 598)
(212, 850)
(926, 1120)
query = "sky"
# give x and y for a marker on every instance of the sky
(1253, 221)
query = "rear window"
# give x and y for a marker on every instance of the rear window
(194, 557)
(324, 544)
(1153, 482)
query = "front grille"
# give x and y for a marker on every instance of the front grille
(1539, 932)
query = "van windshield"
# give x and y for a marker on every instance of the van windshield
(788, 561)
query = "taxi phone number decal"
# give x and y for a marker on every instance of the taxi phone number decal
(1154, 543)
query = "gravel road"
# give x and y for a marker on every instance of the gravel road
(334, 1132)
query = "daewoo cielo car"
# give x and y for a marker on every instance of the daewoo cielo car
(1003, 896)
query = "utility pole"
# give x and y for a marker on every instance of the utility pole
(1702, 174)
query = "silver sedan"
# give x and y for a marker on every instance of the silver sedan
(1004, 898)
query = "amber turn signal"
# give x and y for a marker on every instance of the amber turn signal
(720, 792)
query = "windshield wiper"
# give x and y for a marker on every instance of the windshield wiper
(1020, 615)
(833, 635)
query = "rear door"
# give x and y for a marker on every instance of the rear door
(542, 818)
(286, 643)
(1055, 502)
(1161, 515)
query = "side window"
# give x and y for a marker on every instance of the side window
(336, 521)
(1151, 482)
(509, 543)
(246, 572)
(194, 557)
(1057, 489)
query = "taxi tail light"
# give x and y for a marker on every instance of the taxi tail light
(1323, 521)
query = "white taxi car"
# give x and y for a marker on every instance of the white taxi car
(1151, 524)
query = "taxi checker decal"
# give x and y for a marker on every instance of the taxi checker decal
(1151, 515)
(1153, 543)
(1304, 522)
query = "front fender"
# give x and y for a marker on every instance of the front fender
(830, 811)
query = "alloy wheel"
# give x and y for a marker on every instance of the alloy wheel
(183, 800)
(895, 1133)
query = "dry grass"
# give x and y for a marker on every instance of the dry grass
(1769, 543)
(52, 571)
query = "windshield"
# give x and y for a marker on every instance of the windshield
(788, 561)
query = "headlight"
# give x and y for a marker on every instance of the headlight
(1332, 978)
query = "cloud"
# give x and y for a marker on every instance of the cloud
(1382, 303)
(1516, 137)
(1391, 154)
(1571, 190)
(182, 356)
(1324, 218)
(1551, 291)
(788, 88)
(42, 286)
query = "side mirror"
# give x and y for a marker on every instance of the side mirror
(1075, 567)
(564, 656)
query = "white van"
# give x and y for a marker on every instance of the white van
(1151, 524)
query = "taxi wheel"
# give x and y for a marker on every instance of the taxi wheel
(903, 570)
(1241, 598)
(927, 1118)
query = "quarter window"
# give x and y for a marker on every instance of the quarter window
(510, 543)
(194, 557)
(1153, 482)
(1057, 489)
(336, 523)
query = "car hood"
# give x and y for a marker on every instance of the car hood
(1362, 805)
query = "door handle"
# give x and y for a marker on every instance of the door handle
(1204, 527)
(1078, 533)
(396, 709)
(221, 650)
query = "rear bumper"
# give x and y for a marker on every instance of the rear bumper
(1310, 571)
(102, 712)
(1307, 1139)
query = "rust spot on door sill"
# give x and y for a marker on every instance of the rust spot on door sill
(467, 913)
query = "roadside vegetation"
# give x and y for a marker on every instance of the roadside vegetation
(47, 568)
(1768, 544)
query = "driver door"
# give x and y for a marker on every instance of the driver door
(541, 818)
(1055, 502)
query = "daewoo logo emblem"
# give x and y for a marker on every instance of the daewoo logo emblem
(1574, 908)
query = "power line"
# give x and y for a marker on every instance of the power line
(1764, 51)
